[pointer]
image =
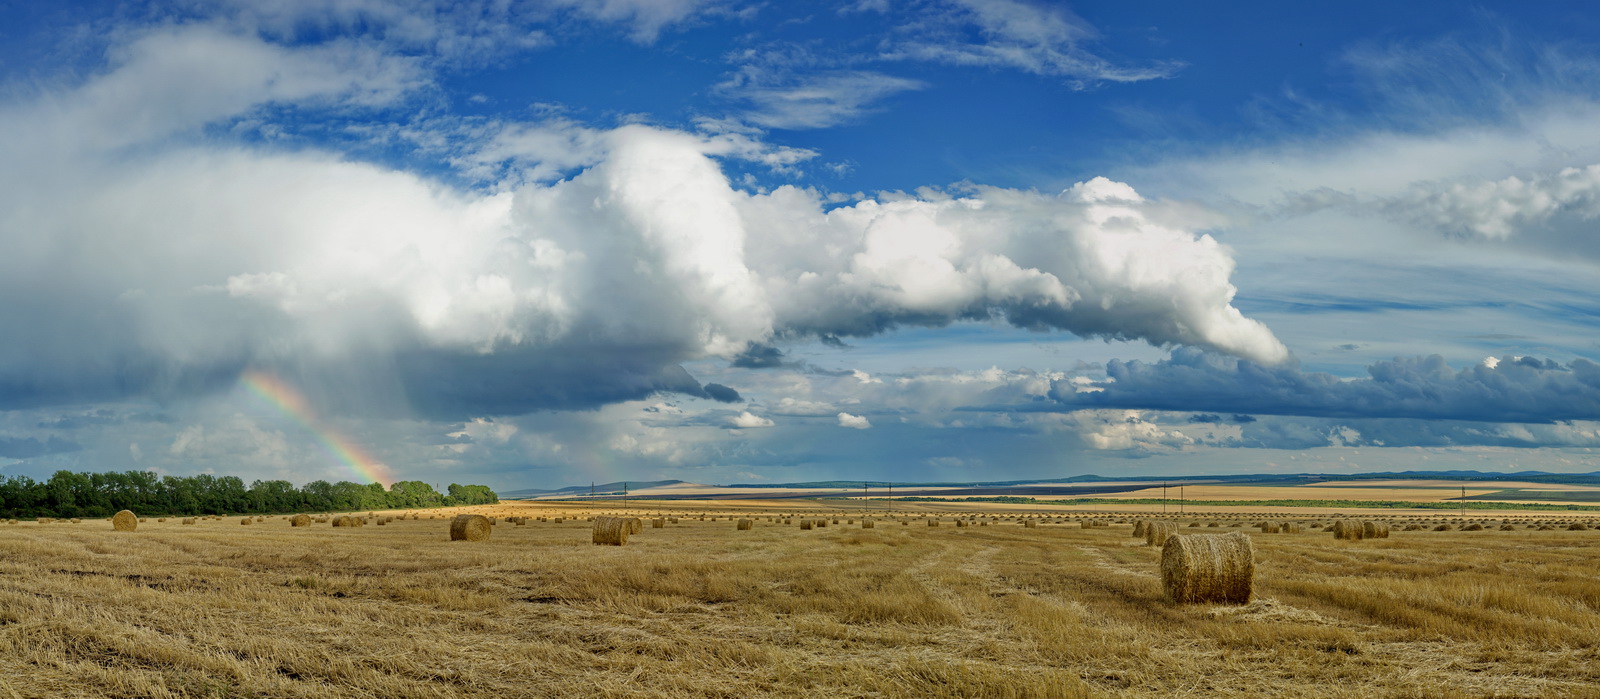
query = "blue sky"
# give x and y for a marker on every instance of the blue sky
(538, 243)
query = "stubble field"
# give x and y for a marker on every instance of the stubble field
(699, 609)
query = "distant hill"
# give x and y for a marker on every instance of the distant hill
(1592, 478)
(599, 488)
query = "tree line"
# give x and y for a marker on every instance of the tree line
(69, 494)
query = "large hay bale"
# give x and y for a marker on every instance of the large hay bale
(1270, 527)
(746, 524)
(805, 525)
(1139, 527)
(635, 525)
(658, 524)
(1348, 529)
(1157, 533)
(1375, 530)
(1577, 527)
(1208, 568)
(868, 524)
(611, 531)
(1030, 524)
(470, 528)
(124, 521)
(245, 520)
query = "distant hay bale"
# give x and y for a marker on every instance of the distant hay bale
(245, 520)
(1157, 533)
(1139, 527)
(1376, 530)
(1292, 528)
(1192, 525)
(124, 521)
(343, 521)
(868, 524)
(1217, 568)
(1474, 527)
(745, 525)
(1577, 527)
(961, 523)
(161, 519)
(1443, 528)
(470, 528)
(1414, 528)
(933, 522)
(1030, 524)
(635, 525)
(1213, 525)
(74, 520)
(612, 531)
(822, 524)
(1508, 528)
(1270, 527)
(658, 524)
(805, 525)
(1348, 529)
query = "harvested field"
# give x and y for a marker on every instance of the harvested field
(699, 609)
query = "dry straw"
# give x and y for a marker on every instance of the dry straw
(611, 530)
(658, 524)
(245, 520)
(470, 528)
(868, 524)
(635, 525)
(1376, 530)
(1208, 568)
(1139, 527)
(1157, 533)
(805, 525)
(746, 525)
(125, 521)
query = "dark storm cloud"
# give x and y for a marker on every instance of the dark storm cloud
(1525, 389)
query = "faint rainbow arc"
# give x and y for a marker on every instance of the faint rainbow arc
(289, 401)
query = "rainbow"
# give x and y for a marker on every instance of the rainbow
(289, 401)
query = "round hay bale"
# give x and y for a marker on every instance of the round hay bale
(658, 524)
(470, 528)
(745, 525)
(245, 520)
(1030, 524)
(124, 521)
(1376, 530)
(1139, 527)
(933, 522)
(1157, 533)
(868, 524)
(805, 525)
(1218, 568)
(1270, 527)
(1474, 527)
(1577, 527)
(300, 521)
(1348, 529)
(611, 531)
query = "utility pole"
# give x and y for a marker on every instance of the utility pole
(1180, 498)
(1463, 501)
(1163, 498)
(624, 495)
(891, 497)
(863, 498)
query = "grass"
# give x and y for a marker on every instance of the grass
(698, 609)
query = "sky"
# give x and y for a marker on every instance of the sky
(537, 243)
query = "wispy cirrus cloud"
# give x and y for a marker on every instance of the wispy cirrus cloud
(1043, 39)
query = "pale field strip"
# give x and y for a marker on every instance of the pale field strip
(698, 609)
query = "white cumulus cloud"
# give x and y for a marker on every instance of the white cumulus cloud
(857, 422)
